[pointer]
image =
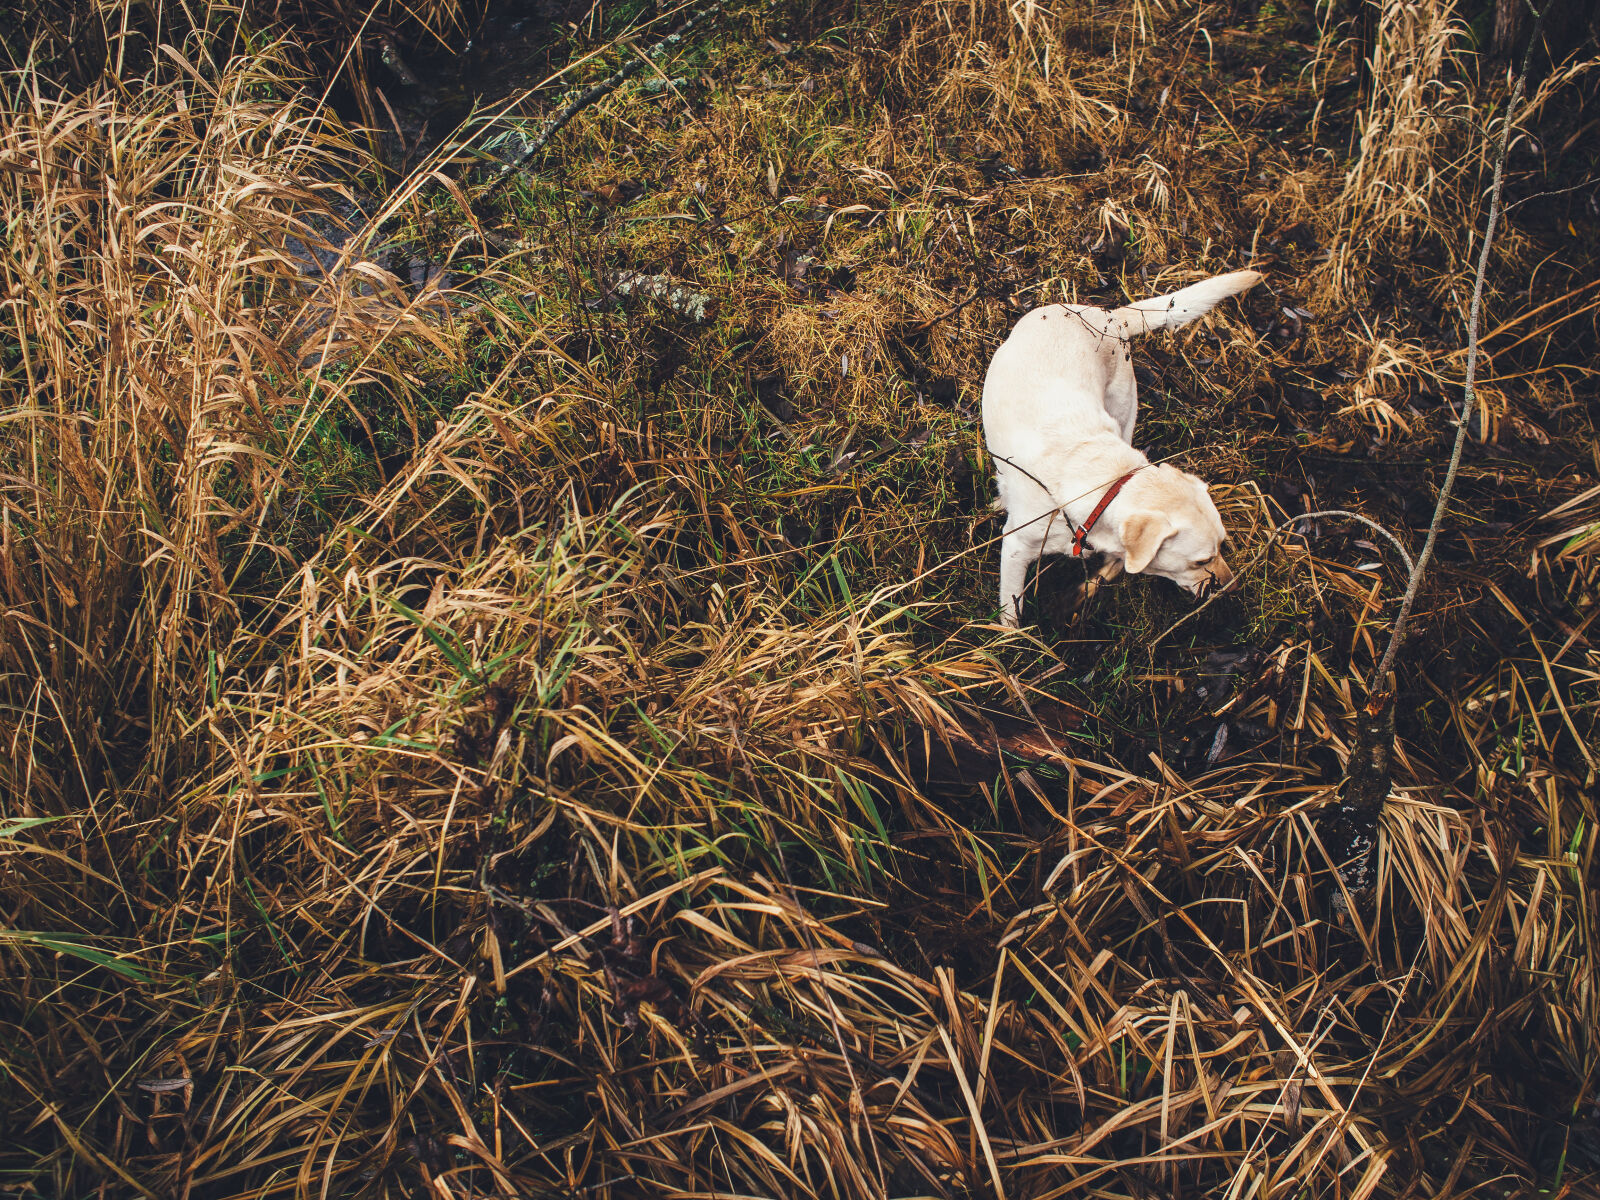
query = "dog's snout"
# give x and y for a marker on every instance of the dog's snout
(1217, 578)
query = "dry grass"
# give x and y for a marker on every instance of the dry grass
(460, 743)
(1415, 141)
(169, 356)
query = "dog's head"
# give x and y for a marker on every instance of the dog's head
(1169, 527)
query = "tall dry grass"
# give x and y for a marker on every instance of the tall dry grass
(170, 341)
(1412, 141)
(1418, 158)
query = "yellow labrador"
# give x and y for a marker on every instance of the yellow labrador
(1059, 404)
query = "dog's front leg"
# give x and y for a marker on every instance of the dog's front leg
(1016, 552)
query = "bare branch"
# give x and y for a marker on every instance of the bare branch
(1377, 683)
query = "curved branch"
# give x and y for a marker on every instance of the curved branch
(1267, 545)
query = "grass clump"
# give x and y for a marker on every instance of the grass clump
(170, 362)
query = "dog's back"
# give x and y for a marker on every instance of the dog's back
(1060, 371)
(1063, 361)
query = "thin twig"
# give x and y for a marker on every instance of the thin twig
(1353, 516)
(980, 294)
(1344, 1119)
(1469, 393)
(1552, 192)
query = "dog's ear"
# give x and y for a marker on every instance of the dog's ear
(1142, 535)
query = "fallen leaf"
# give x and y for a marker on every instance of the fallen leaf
(164, 1085)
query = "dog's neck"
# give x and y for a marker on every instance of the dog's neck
(1096, 464)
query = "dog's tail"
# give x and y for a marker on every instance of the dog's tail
(1185, 305)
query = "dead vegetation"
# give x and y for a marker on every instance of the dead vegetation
(472, 729)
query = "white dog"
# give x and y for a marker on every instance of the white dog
(1059, 404)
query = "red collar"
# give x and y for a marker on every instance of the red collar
(1105, 502)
